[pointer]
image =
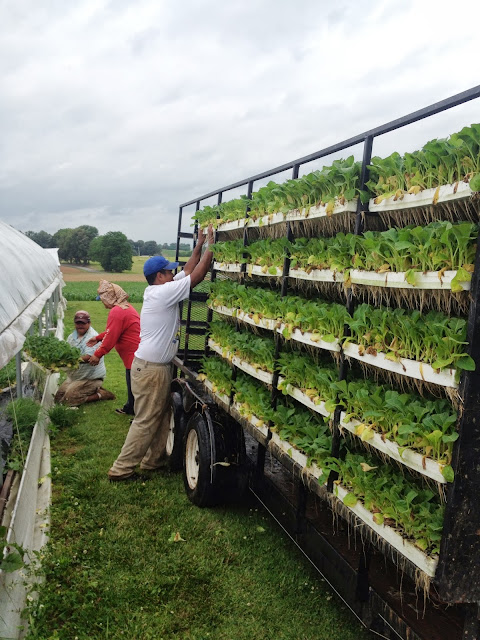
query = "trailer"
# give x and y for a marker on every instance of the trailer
(397, 585)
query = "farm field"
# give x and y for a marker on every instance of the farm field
(140, 561)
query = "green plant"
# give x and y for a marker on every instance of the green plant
(11, 554)
(51, 352)
(62, 416)
(8, 374)
(23, 413)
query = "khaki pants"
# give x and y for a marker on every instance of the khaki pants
(147, 437)
(76, 392)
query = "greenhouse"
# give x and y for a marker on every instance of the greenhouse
(31, 303)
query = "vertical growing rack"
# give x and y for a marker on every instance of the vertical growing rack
(451, 579)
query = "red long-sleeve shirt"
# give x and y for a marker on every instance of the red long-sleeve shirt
(122, 332)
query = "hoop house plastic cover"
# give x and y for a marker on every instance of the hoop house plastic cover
(30, 275)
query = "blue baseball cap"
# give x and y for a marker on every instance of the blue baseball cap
(157, 263)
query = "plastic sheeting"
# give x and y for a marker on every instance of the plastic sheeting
(29, 276)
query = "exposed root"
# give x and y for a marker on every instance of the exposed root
(467, 209)
(451, 303)
(421, 579)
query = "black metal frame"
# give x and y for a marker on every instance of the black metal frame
(457, 578)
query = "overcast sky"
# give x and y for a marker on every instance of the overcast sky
(113, 113)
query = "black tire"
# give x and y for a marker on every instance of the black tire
(197, 462)
(174, 446)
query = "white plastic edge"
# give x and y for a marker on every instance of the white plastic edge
(296, 393)
(296, 455)
(396, 279)
(227, 266)
(265, 323)
(446, 193)
(256, 270)
(319, 275)
(259, 374)
(221, 396)
(404, 367)
(306, 338)
(254, 421)
(419, 558)
(409, 458)
(291, 216)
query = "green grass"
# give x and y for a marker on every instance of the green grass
(88, 290)
(112, 570)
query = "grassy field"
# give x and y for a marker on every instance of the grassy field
(114, 570)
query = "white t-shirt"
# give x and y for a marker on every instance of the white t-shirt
(160, 319)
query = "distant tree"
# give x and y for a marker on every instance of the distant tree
(95, 249)
(115, 252)
(61, 239)
(42, 238)
(79, 243)
(150, 248)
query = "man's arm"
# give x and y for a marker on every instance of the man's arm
(200, 271)
(196, 253)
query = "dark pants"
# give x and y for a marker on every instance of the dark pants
(128, 406)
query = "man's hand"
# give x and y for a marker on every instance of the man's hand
(210, 236)
(92, 342)
(201, 237)
(94, 361)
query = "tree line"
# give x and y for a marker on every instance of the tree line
(113, 250)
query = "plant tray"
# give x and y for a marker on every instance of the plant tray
(265, 323)
(319, 275)
(306, 338)
(427, 197)
(227, 266)
(296, 393)
(294, 215)
(397, 280)
(404, 367)
(256, 270)
(220, 396)
(254, 421)
(409, 550)
(297, 456)
(409, 458)
(259, 374)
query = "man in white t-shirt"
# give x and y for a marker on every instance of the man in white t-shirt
(151, 372)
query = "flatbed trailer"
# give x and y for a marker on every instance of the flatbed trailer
(394, 590)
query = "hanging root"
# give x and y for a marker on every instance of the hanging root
(445, 300)
(467, 209)
(420, 578)
(332, 291)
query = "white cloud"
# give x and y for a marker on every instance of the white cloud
(113, 113)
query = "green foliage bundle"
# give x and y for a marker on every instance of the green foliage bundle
(442, 161)
(433, 338)
(51, 352)
(394, 499)
(23, 412)
(62, 416)
(8, 374)
(257, 351)
(338, 182)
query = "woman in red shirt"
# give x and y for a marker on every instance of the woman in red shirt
(122, 332)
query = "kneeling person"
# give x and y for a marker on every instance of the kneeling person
(85, 383)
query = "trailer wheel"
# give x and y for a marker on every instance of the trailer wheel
(174, 446)
(197, 462)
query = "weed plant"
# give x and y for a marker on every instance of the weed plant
(62, 416)
(23, 414)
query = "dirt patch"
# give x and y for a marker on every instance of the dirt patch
(74, 274)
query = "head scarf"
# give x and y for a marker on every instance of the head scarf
(112, 294)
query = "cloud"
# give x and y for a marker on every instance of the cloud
(115, 112)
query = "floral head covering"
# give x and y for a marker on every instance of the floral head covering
(112, 294)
